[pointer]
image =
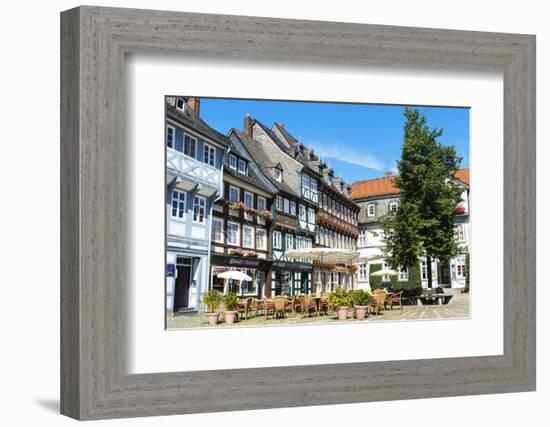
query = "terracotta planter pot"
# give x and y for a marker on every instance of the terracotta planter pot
(212, 318)
(229, 317)
(360, 311)
(343, 313)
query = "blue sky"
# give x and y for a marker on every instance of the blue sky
(359, 141)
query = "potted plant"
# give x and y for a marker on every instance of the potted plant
(341, 301)
(212, 299)
(361, 301)
(231, 302)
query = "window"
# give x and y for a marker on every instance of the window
(305, 182)
(248, 237)
(262, 203)
(279, 202)
(424, 270)
(180, 104)
(209, 156)
(232, 162)
(461, 267)
(190, 146)
(311, 215)
(371, 211)
(286, 206)
(170, 136)
(277, 240)
(249, 200)
(293, 208)
(362, 238)
(178, 204)
(217, 230)
(299, 242)
(309, 243)
(393, 206)
(234, 194)
(242, 166)
(233, 233)
(363, 272)
(459, 232)
(199, 205)
(289, 241)
(278, 174)
(302, 212)
(403, 275)
(313, 185)
(261, 239)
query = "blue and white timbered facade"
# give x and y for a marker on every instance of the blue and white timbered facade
(194, 181)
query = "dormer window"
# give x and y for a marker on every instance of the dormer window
(233, 162)
(278, 174)
(180, 104)
(242, 166)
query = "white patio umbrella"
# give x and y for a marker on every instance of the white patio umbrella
(325, 255)
(385, 272)
(233, 275)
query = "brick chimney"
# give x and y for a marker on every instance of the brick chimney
(195, 105)
(247, 129)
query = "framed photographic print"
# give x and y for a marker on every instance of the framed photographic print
(277, 213)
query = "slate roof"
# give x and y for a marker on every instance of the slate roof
(312, 161)
(385, 187)
(251, 177)
(192, 119)
(263, 160)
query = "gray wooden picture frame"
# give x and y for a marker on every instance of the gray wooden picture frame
(94, 41)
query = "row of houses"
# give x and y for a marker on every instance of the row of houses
(240, 201)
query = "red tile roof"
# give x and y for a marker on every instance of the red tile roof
(384, 186)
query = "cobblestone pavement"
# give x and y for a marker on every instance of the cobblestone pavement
(458, 307)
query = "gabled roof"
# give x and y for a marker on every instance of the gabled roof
(373, 187)
(251, 177)
(385, 186)
(263, 160)
(463, 175)
(192, 119)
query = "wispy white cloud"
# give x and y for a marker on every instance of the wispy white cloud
(338, 152)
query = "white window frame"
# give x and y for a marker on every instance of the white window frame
(292, 208)
(277, 240)
(173, 141)
(286, 206)
(221, 222)
(209, 155)
(403, 275)
(363, 272)
(179, 202)
(237, 234)
(231, 158)
(248, 193)
(392, 206)
(423, 269)
(278, 173)
(203, 207)
(279, 203)
(248, 228)
(302, 210)
(459, 232)
(232, 187)
(260, 232)
(289, 238)
(369, 207)
(243, 170)
(262, 203)
(311, 216)
(461, 262)
(195, 144)
(178, 100)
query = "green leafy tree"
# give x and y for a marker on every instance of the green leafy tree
(423, 224)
